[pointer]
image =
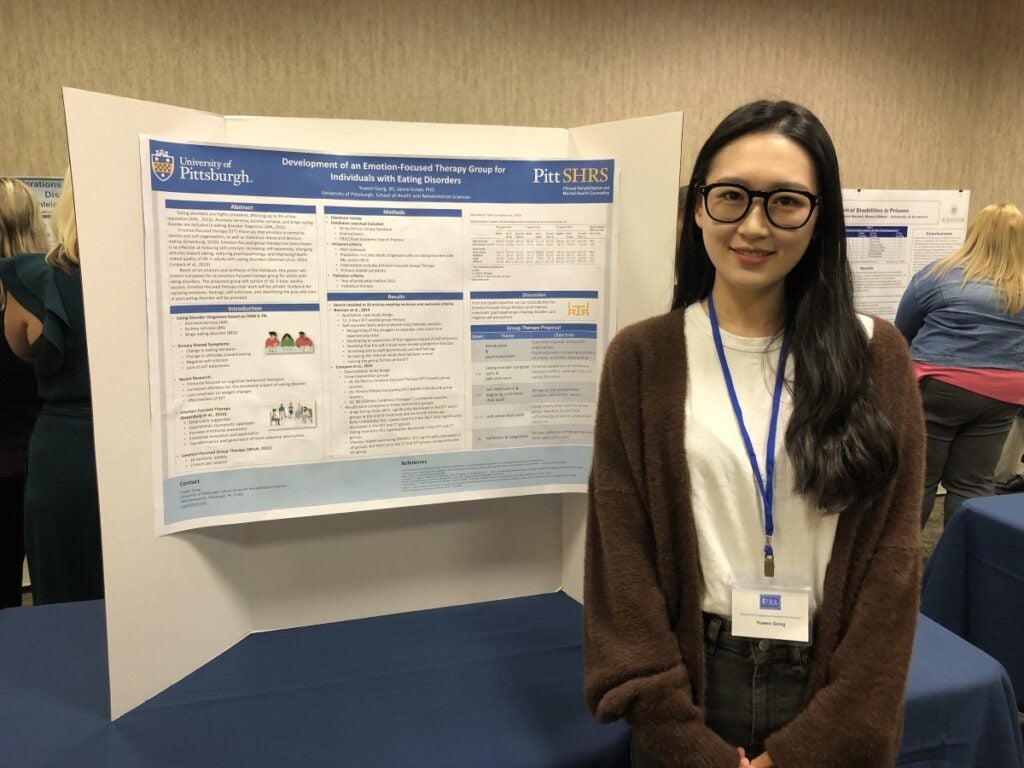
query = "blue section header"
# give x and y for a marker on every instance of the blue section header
(876, 231)
(454, 212)
(206, 205)
(212, 170)
(190, 309)
(533, 295)
(396, 296)
(511, 327)
(518, 335)
(534, 331)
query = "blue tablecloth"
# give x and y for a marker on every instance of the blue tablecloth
(974, 582)
(959, 706)
(495, 684)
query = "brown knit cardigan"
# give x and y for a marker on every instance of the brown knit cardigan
(642, 627)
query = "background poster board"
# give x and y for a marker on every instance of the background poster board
(47, 191)
(891, 234)
(175, 602)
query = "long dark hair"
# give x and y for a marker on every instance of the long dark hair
(842, 447)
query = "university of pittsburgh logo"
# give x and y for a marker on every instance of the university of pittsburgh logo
(162, 163)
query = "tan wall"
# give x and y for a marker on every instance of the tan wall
(917, 93)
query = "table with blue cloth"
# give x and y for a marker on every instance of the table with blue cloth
(974, 582)
(494, 684)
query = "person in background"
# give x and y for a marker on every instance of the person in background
(44, 322)
(693, 513)
(1014, 481)
(963, 316)
(21, 231)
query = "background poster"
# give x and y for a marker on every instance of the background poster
(47, 191)
(892, 234)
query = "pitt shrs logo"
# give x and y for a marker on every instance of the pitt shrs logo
(570, 176)
(162, 163)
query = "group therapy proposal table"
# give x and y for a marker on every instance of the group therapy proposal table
(492, 684)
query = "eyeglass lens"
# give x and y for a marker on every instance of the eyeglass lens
(783, 208)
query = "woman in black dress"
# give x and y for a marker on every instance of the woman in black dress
(22, 230)
(45, 323)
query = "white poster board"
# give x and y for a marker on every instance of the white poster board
(175, 602)
(334, 333)
(891, 234)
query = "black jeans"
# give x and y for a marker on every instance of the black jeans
(966, 433)
(754, 687)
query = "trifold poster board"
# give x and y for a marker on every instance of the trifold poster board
(176, 601)
(892, 234)
(333, 333)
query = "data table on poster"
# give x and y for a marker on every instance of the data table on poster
(551, 367)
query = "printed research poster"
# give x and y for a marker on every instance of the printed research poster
(332, 333)
(892, 234)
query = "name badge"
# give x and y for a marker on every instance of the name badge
(766, 611)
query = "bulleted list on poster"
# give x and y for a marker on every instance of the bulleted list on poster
(339, 332)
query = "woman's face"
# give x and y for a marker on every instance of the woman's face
(752, 256)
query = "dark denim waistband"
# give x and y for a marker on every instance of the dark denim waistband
(718, 632)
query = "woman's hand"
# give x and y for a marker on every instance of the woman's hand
(761, 761)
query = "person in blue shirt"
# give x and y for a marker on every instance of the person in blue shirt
(963, 316)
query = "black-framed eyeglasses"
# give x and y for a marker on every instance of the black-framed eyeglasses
(727, 203)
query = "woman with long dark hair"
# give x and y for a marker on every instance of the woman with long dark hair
(752, 559)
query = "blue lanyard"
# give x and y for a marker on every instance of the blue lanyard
(765, 485)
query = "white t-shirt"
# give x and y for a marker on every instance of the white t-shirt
(727, 505)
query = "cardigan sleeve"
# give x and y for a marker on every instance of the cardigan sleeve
(855, 718)
(633, 668)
